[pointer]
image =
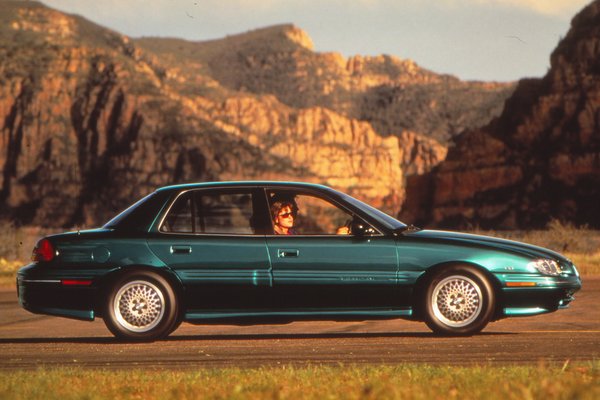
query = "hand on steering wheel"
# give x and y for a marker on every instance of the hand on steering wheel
(345, 229)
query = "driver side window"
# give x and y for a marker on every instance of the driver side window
(312, 215)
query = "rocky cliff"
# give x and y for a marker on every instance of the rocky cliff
(394, 95)
(90, 120)
(540, 160)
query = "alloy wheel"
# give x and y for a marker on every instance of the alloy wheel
(139, 306)
(457, 301)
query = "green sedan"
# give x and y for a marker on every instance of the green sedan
(275, 252)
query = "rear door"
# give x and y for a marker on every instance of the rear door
(213, 240)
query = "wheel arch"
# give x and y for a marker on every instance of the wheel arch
(425, 278)
(109, 279)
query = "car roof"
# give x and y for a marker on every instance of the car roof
(280, 184)
(381, 219)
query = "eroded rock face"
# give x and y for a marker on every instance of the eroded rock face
(540, 160)
(344, 152)
(91, 120)
(393, 94)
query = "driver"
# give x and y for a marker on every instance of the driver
(283, 213)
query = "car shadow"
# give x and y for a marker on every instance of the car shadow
(254, 336)
(332, 335)
(85, 340)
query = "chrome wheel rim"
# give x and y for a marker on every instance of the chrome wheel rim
(456, 301)
(139, 306)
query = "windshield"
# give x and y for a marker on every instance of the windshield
(140, 215)
(388, 221)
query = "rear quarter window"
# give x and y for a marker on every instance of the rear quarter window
(140, 215)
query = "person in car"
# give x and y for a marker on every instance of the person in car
(284, 213)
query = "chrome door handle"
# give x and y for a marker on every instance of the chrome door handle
(181, 249)
(281, 253)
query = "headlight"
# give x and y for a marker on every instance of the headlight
(546, 267)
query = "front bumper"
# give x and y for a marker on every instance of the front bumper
(525, 294)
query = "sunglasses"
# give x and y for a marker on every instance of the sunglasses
(286, 215)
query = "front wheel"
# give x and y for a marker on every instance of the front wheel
(141, 306)
(459, 300)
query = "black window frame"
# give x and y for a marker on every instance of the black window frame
(258, 219)
(320, 195)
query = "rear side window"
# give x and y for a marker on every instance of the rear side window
(180, 218)
(211, 212)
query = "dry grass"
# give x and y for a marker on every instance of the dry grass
(587, 264)
(16, 245)
(581, 245)
(579, 381)
(8, 270)
(561, 237)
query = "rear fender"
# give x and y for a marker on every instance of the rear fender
(105, 284)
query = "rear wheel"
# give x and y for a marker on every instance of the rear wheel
(459, 300)
(141, 306)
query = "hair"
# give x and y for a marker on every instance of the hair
(278, 205)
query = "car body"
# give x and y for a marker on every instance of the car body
(208, 253)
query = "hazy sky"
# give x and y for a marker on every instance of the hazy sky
(473, 39)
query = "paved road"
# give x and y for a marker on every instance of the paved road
(30, 341)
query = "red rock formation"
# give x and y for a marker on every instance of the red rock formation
(91, 120)
(392, 94)
(540, 160)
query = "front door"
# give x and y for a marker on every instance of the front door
(320, 265)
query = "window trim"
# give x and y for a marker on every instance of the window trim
(262, 211)
(251, 190)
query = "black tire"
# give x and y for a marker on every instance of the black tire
(176, 325)
(459, 300)
(141, 306)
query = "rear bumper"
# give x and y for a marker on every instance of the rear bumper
(51, 296)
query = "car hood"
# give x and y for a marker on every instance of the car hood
(520, 248)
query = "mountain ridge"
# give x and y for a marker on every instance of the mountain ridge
(538, 161)
(90, 119)
(383, 90)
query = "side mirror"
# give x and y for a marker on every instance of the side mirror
(361, 228)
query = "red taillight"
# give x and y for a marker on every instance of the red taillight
(43, 251)
(76, 282)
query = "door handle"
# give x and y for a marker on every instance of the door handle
(281, 253)
(181, 249)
